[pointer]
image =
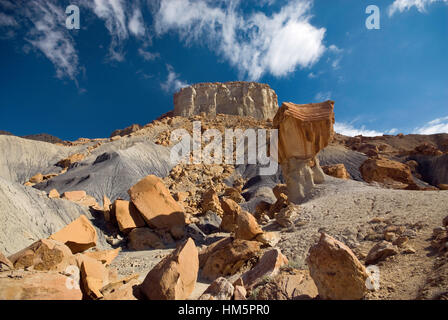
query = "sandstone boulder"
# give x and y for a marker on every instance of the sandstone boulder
(35, 285)
(388, 172)
(144, 239)
(67, 162)
(124, 289)
(279, 189)
(94, 276)
(381, 251)
(127, 216)
(247, 227)
(155, 203)
(442, 186)
(234, 194)
(231, 209)
(79, 235)
(43, 255)
(226, 257)
(268, 238)
(173, 278)
(336, 271)
(268, 266)
(337, 170)
(54, 194)
(210, 202)
(38, 178)
(81, 198)
(220, 289)
(234, 98)
(292, 285)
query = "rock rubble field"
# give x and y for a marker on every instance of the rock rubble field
(343, 218)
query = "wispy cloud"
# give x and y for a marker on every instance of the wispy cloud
(322, 96)
(50, 36)
(148, 56)
(439, 125)
(254, 44)
(172, 83)
(7, 21)
(347, 129)
(403, 5)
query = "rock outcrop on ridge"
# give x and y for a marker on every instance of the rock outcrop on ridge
(236, 98)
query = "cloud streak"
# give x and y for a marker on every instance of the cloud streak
(404, 5)
(348, 129)
(439, 125)
(172, 83)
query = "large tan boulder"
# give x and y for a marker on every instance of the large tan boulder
(79, 235)
(173, 278)
(235, 98)
(247, 227)
(291, 285)
(127, 216)
(43, 255)
(155, 203)
(38, 178)
(81, 198)
(67, 162)
(388, 172)
(226, 257)
(94, 276)
(123, 289)
(144, 239)
(37, 285)
(210, 202)
(381, 251)
(268, 266)
(54, 194)
(231, 209)
(337, 272)
(337, 170)
(303, 130)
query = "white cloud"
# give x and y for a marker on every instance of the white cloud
(121, 20)
(254, 44)
(148, 56)
(348, 129)
(392, 131)
(50, 36)
(172, 83)
(439, 125)
(402, 5)
(7, 21)
(322, 96)
(136, 24)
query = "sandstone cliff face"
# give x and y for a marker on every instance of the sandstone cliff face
(235, 98)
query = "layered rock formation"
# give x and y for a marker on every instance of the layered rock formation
(304, 130)
(236, 98)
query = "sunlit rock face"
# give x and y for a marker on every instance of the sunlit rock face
(252, 99)
(304, 130)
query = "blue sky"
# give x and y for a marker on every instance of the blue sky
(129, 57)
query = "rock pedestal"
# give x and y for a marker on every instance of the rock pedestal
(304, 130)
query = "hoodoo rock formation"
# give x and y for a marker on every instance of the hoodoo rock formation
(304, 130)
(235, 98)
